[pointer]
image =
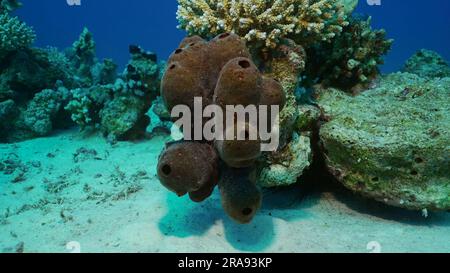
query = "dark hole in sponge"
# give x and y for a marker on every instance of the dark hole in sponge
(247, 135)
(244, 64)
(419, 160)
(166, 169)
(224, 35)
(178, 51)
(247, 211)
(172, 66)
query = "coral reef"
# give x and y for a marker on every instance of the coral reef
(39, 116)
(262, 23)
(33, 81)
(87, 69)
(29, 71)
(427, 63)
(118, 105)
(98, 97)
(391, 143)
(9, 5)
(82, 56)
(351, 61)
(14, 35)
(219, 72)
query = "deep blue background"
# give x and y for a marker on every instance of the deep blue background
(414, 24)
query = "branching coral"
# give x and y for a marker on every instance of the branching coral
(352, 60)
(14, 34)
(264, 23)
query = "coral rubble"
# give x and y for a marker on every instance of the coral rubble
(391, 143)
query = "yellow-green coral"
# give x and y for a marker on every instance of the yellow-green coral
(264, 23)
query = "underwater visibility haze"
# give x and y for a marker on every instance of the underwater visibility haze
(337, 141)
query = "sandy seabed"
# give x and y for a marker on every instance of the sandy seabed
(76, 193)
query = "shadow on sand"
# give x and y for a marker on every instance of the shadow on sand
(185, 218)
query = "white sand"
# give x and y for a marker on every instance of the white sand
(112, 202)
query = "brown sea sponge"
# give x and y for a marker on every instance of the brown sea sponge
(184, 77)
(241, 198)
(221, 72)
(240, 83)
(225, 47)
(188, 167)
(193, 68)
(242, 153)
(272, 93)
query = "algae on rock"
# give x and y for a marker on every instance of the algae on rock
(285, 166)
(391, 143)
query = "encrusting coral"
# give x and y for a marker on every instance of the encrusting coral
(264, 23)
(221, 72)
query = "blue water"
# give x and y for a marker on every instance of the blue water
(414, 24)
